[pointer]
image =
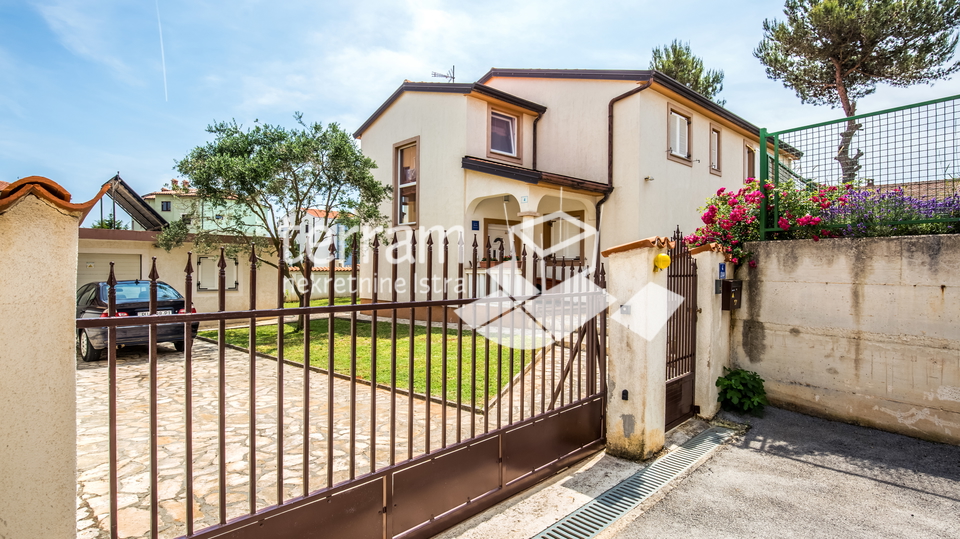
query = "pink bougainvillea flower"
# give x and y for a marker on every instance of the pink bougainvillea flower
(752, 263)
(783, 223)
(721, 190)
(733, 201)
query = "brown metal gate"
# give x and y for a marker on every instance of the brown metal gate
(681, 335)
(399, 461)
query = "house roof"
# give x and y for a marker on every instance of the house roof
(4, 184)
(337, 268)
(322, 214)
(450, 88)
(638, 75)
(535, 177)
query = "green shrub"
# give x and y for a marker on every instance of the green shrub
(741, 391)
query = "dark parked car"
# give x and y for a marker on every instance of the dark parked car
(133, 299)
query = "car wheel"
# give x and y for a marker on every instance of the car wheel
(87, 351)
(179, 345)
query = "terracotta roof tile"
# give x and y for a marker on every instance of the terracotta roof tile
(656, 242)
(48, 190)
(327, 268)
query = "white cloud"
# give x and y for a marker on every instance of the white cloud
(86, 29)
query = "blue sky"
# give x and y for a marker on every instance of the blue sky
(83, 91)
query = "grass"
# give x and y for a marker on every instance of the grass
(322, 302)
(343, 359)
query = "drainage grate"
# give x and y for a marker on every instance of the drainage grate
(597, 514)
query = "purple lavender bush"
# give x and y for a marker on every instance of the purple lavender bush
(873, 213)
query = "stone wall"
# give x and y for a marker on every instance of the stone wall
(859, 330)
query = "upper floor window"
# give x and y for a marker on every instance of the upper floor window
(165, 206)
(714, 149)
(749, 162)
(407, 184)
(503, 133)
(678, 136)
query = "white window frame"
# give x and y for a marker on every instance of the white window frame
(232, 272)
(513, 132)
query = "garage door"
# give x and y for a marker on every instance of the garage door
(93, 267)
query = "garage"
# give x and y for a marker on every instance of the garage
(92, 267)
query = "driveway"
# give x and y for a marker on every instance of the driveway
(793, 475)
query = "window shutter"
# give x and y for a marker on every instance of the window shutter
(682, 147)
(714, 150)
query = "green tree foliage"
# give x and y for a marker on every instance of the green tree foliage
(677, 61)
(834, 52)
(278, 173)
(110, 223)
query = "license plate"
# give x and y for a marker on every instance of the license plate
(147, 313)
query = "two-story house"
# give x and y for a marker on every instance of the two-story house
(180, 202)
(632, 153)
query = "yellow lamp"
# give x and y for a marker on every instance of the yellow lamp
(661, 262)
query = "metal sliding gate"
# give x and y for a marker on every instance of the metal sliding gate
(681, 335)
(362, 423)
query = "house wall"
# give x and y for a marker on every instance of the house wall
(170, 266)
(645, 208)
(859, 330)
(478, 126)
(572, 134)
(321, 285)
(440, 121)
(204, 214)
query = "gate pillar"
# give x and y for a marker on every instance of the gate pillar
(636, 347)
(713, 330)
(38, 278)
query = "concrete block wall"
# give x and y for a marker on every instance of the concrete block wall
(860, 330)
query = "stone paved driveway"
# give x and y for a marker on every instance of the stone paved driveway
(133, 433)
(93, 501)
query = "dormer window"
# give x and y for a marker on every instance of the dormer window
(503, 133)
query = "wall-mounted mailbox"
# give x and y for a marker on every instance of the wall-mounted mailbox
(731, 294)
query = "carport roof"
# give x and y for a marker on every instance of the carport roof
(128, 199)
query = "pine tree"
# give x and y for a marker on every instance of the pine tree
(678, 62)
(834, 52)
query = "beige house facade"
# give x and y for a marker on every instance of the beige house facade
(631, 153)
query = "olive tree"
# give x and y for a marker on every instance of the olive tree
(276, 174)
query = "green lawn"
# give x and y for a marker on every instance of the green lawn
(322, 302)
(293, 350)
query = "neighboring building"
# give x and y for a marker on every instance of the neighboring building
(180, 202)
(3, 185)
(523, 143)
(344, 258)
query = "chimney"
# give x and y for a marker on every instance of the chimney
(186, 184)
(173, 183)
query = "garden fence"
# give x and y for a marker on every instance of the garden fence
(902, 162)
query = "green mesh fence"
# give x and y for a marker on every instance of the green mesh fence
(898, 171)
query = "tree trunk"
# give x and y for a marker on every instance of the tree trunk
(849, 164)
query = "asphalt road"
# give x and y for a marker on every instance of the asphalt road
(793, 475)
